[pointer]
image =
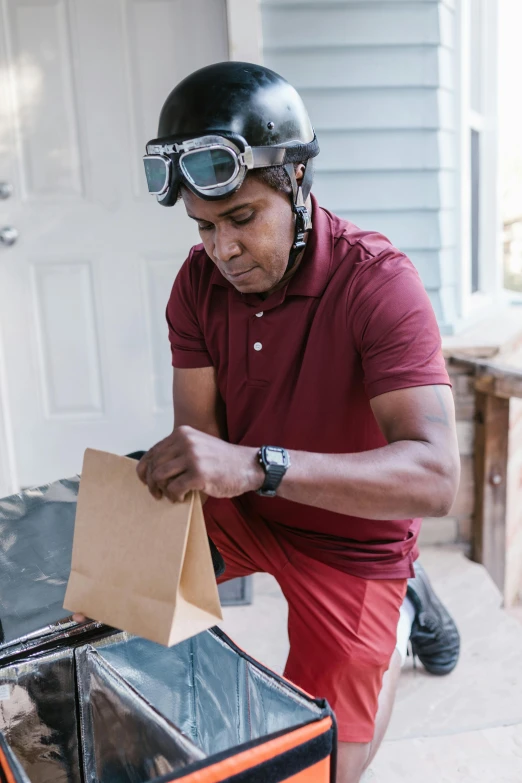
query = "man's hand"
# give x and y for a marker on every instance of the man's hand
(192, 460)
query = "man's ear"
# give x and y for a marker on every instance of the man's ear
(299, 172)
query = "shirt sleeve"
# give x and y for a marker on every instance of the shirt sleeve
(187, 342)
(395, 327)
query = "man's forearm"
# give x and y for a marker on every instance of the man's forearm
(398, 481)
(416, 474)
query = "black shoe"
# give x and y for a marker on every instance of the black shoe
(434, 636)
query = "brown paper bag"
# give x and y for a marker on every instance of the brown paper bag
(139, 564)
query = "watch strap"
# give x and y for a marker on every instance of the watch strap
(273, 477)
(273, 474)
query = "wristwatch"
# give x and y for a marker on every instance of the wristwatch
(275, 462)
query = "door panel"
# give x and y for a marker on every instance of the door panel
(63, 294)
(84, 289)
(45, 98)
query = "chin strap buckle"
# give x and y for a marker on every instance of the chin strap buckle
(302, 225)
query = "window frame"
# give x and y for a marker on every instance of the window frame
(485, 122)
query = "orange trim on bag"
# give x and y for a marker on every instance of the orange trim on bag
(6, 768)
(254, 756)
(319, 773)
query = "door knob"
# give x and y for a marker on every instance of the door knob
(8, 235)
(6, 190)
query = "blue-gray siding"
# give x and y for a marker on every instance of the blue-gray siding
(378, 78)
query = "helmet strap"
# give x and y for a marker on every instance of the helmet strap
(303, 223)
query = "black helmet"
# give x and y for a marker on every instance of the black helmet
(220, 122)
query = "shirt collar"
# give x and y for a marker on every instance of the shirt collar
(314, 270)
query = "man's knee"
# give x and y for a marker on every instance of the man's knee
(352, 760)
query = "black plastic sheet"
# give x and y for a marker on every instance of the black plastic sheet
(36, 533)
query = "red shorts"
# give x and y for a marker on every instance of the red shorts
(342, 628)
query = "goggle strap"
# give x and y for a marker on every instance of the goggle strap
(262, 157)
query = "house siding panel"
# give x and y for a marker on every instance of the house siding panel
(333, 109)
(386, 150)
(378, 190)
(355, 24)
(322, 3)
(378, 78)
(358, 66)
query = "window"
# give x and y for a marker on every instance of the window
(476, 121)
(510, 147)
(479, 225)
(475, 210)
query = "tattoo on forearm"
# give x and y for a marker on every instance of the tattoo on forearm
(443, 417)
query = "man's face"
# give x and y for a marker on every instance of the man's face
(248, 235)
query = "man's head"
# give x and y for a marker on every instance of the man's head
(236, 134)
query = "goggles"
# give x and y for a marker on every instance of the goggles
(211, 166)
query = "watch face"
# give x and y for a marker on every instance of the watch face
(275, 456)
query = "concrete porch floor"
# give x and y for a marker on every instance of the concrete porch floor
(463, 728)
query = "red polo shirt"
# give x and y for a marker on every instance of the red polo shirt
(298, 369)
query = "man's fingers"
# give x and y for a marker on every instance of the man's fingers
(154, 454)
(177, 489)
(165, 461)
(144, 471)
(79, 618)
(158, 476)
(163, 474)
(142, 467)
(154, 490)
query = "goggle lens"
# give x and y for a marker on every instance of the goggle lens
(207, 168)
(157, 173)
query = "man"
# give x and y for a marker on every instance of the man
(312, 404)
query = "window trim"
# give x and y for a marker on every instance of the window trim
(485, 122)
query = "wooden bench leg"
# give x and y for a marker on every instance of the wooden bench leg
(491, 458)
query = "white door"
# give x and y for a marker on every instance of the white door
(84, 357)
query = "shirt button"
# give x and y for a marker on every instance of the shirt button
(257, 346)
(258, 315)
